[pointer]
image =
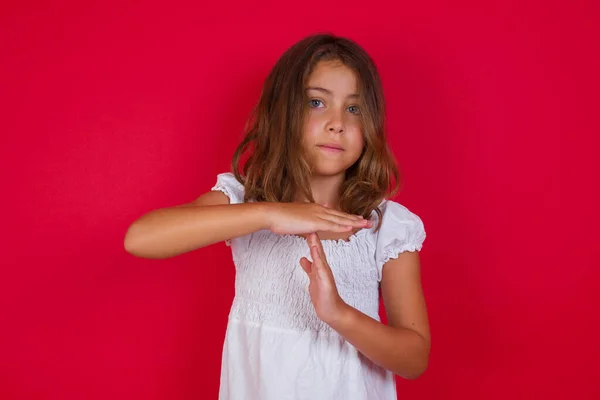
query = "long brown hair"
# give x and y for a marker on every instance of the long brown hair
(276, 168)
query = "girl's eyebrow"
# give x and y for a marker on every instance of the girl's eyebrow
(329, 92)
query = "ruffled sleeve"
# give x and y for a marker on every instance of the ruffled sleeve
(401, 230)
(228, 184)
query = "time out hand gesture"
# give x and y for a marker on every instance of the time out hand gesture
(322, 289)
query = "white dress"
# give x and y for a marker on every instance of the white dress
(276, 348)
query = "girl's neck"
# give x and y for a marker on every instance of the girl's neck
(325, 190)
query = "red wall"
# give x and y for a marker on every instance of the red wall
(110, 111)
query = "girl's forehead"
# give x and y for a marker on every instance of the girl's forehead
(333, 77)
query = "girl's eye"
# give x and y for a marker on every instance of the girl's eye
(354, 109)
(315, 103)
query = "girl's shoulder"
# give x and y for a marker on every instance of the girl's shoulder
(228, 184)
(401, 230)
(396, 213)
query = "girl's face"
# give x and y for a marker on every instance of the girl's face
(333, 137)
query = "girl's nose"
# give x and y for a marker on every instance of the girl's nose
(336, 123)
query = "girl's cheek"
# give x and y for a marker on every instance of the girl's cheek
(355, 125)
(311, 126)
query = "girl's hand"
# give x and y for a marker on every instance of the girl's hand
(322, 289)
(303, 218)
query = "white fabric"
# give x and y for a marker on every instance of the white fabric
(276, 347)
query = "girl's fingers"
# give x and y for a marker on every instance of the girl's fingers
(314, 239)
(345, 228)
(358, 223)
(316, 256)
(343, 214)
(319, 265)
(316, 245)
(337, 228)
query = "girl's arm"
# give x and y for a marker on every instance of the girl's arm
(403, 345)
(168, 232)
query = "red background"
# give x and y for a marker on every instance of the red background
(110, 111)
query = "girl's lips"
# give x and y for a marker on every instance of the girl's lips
(331, 148)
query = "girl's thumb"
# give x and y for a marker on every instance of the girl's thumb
(306, 265)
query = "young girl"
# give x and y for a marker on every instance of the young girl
(313, 238)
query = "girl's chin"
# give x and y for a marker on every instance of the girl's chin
(328, 172)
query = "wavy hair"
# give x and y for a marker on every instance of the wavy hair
(269, 161)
